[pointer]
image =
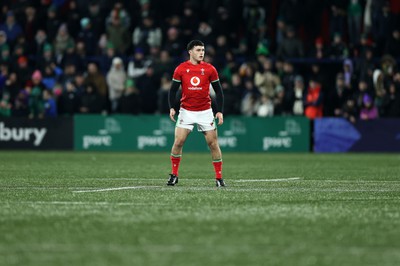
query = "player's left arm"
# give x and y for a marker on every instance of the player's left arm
(220, 101)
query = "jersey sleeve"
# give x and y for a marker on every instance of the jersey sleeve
(214, 74)
(177, 76)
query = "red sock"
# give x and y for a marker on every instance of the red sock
(218, 168)
(175, 161)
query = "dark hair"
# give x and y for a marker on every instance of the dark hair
(194, 43)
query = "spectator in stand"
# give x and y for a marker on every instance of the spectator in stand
(138, 65)
(18, 51)
(205, 33)
(368, 109)
(147, 35)
(337, 97)
(62, 42)
(87, 36)
(365, 64)
(266, 80)
(163, 92)
(298, 96)
(254, 15)
(231, 98)
(30, 24)
(280, 31)
(350, 110)
(70, 56)
(238, 87)
(173, 43)
(163, 64)
(51, 76)
(96, 17)
(91, 101)
(313, 100)
(354, 20)
(291, 46)
(292, 11)
(39, 43)
(4, 72)
(52, 23)
(363, 89)
(281, 106)
(5, 105)
(11, 85)
(265, 107)
(69, 100)
(190, 21)
(107, 57)
(3, 39)
(250, 99)
(148, 86)
(382, 26)
(365, 44)
(378, 83)
(338, 49)
(73, 18)
(119, 11)
(116, 79)
(391, 102)
(11, 28)
(97, 80)
(318, 51)
(337, 19)
(49, 104)
(349, 77)
(393, 44)
(118, 34)
(288, 79)
(129, 103)
(23, 71)
(36, 105)
(20, 106)
(5, 55)
(47, 57)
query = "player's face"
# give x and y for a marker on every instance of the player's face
(197, 53)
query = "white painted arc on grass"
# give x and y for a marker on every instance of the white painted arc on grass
(267, 180)
(114, 188)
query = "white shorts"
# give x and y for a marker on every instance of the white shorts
(204, 120)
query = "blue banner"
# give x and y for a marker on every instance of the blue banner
(339, 135)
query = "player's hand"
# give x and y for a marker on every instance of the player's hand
(220, 118)
(172, 114)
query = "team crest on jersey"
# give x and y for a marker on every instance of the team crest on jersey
(202, 71)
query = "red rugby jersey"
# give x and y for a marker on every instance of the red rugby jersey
(195, 82)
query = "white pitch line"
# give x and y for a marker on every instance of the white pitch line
(114, 188)
(84, 203)
(266, 180)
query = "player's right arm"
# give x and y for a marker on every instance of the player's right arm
(172, 97)
(176, 82)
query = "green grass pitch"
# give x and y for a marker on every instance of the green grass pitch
(81, 208)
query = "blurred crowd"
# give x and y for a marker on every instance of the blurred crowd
(289, 57)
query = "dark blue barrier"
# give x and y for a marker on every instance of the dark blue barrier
(36, 134)
(339, 135)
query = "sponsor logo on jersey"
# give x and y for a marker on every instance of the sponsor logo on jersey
(195, 81)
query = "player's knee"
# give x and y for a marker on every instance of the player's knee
(179, 143)
(213, 144)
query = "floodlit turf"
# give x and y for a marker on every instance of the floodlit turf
(59, 208)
